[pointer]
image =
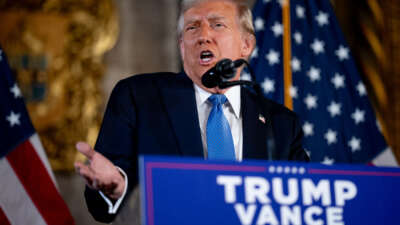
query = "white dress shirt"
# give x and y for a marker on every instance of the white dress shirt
(232, 113)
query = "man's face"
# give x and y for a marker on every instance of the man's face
(210, 33)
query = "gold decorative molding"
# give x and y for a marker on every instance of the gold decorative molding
(56, 48)
(370, 27)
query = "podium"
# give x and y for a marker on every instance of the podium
(182, 191)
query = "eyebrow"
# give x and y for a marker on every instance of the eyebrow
(211, 17)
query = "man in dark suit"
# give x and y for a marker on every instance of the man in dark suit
(167, 114)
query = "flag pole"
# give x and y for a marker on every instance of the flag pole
(287, 72)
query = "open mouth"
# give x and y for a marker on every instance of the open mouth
(206, 56)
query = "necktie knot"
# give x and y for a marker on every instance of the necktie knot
(217, 99)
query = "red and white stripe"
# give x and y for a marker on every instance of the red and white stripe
(385, 158)
(28, 194)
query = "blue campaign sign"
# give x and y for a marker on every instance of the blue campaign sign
(183, 191)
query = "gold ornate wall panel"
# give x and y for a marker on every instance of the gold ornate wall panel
(56, 48)
(372, 29)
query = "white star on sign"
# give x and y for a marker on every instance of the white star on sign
(358, 116)
(268, 85)
(328, 161)
(293, 92)
(16, 91)
(318, 46)
(13, 119)
(354, 144)
(338, 81)
(298, 38)
(259, 24)
(300, 11)
(311, 101)
(277, 28)
(314, 74)
(296, 64)
(272, 57)
(334, 109)
(308, 129)
(322, 18)
(361, 89)
(330, 136)
(254, 54)
(342, 53)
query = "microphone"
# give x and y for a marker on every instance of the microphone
(219, 75)
(223, 70)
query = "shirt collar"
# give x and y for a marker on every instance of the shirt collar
(232, 94)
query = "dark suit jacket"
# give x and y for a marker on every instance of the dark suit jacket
(157, 114)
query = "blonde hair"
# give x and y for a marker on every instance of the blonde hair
(244, 13)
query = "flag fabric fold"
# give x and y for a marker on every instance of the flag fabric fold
(328, 94)
(28, 189)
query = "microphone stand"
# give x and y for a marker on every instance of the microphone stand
(270, 140)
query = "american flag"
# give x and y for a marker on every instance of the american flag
(28, 192)
(328, 95)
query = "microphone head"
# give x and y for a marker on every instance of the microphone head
(211, 79)
(226, 68)
(223, 70)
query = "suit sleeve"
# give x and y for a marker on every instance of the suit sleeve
(116, 141)
(297, 153)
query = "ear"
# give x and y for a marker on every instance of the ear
(181, 47)
(248, 44)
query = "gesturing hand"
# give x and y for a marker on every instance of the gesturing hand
(100, 173)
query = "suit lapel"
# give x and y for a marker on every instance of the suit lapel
(254, 129)
(180, 103)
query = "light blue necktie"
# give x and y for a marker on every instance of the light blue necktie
(219, 136)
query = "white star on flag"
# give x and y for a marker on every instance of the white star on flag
(254, 54)
(361, 89)
(311, 101)
(334, 109)
(354, 144)
(293, 92)
(277, 28)
(282, 2)
(314, 74)
(338, 81)
(245, 76)
(16, 91)
(259, 24)
(13, 119)
(308, 129)
(318, 46)
(268, 85)
(272, 57)
(328, 161)
(342, 53)
(300, 11)
(298, 38)
(358, 116)
(308, 153)
(322, 18)
(296, 64)
(378, 124)
(330, 136)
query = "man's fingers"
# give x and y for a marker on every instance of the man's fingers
(85, 149)
(85, 172)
